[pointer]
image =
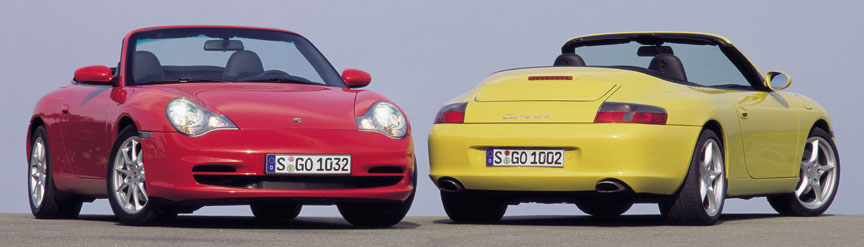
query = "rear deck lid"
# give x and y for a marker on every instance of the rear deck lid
(543, 87)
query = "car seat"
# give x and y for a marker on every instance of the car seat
(242, 64)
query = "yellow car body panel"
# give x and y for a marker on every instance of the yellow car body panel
(592, 152)
(763, 132)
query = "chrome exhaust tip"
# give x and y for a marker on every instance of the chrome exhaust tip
(450, 185)
(610, 186)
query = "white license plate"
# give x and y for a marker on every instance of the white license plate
(525, 157)
(308, 164)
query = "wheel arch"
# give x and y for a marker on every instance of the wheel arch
(35, 122)
(124, 121)
(715, 126)
(822, 124)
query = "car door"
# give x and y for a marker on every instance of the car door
(84, 130)
(768, 125)
(769, 130)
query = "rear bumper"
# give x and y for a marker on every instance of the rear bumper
(651, 159)
(170, 157)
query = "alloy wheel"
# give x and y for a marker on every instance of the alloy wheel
(818, 177)
(129, 178)
(712, 186)
(38, 172)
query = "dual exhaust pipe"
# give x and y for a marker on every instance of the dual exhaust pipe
(608, 186)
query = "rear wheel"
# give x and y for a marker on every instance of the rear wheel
(46, 202)
(275, 211)
(818, 180)
(127, 189)
(700, 199)
(604, 208)
(467, 207)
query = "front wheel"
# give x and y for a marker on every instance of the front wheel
(127, 189)
(275, 211)
(370, 214)
(817, 182)
(379, 214)
(700, 199)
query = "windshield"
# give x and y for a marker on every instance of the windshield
(187, 55)
(701, 64)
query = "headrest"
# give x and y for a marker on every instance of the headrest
(669, 65)
(243, 64)
(146, 67)
(569, 59)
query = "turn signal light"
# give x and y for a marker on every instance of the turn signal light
(452, 113)
(614, 112)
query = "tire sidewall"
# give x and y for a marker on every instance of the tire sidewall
(688, 199)
(49, 175)
(813, 212)
(706, 135)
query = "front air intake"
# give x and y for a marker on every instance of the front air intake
(214, 168)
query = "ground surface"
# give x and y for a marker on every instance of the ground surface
(629, 230)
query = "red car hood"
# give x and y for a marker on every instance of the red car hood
(276, 106)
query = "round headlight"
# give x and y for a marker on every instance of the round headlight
(185, 114)
(386, 118)
(193, 120)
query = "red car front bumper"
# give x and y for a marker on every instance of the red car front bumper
(227, 166)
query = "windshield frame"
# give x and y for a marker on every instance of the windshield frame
(647, 38)
(328, 73)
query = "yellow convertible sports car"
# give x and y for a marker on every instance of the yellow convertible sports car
(679, 119)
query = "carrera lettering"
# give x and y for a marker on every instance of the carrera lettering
(523, 116)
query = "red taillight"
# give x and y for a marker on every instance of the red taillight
(614, 112)
(452, 113)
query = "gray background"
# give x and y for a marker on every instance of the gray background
(422, 53)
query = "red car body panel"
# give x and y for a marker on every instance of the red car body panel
(245, 151)
(83, 122)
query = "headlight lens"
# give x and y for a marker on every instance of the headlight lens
(193, 120)
(385, 118)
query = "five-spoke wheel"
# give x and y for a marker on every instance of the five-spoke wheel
(700, 199)
(817, 182)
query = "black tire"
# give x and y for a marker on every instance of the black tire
(789, 205)
(273, 211)
(149, 214)
(687, 206)
(378, 214)
(604, 208)
(55, 204)
(472, 207)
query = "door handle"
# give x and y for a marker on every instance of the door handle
(65, 110)
(742, 113)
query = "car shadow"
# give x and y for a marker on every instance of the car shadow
(620, 221)
(248, 222)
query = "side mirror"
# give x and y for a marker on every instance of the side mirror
(96, 74)
(356, 78)
(776, 80)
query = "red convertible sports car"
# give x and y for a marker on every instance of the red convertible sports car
(219, 115)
